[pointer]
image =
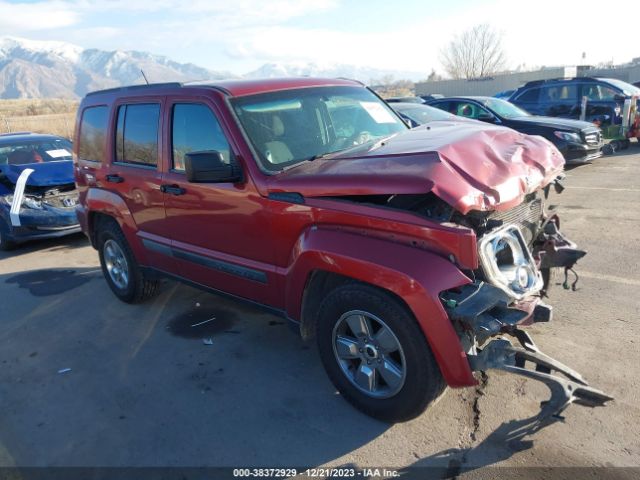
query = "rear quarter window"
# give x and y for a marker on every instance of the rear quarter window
(93, 133)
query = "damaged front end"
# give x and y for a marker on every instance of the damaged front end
(517, 254)
(37, 201)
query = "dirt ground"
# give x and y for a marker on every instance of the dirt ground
(144, 390)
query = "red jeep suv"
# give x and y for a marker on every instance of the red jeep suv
(410, 255)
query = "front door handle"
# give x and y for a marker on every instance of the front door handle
(114, 178)
(172, 189)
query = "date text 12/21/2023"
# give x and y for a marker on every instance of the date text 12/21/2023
(318, 473)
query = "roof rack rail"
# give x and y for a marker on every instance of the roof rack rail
(127, 88)
(557, 79)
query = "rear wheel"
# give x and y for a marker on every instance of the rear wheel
(119, 266)
(375, 353)
(5, 240)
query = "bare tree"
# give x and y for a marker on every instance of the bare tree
(476, 53)
(434, 76)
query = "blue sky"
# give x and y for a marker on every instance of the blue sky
(241, 35)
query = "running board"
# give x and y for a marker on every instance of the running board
(500, 354)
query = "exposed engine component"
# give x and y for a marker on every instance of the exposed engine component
(552, 249)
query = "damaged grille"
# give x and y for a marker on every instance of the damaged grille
(62, 201)
(592, 138)
(526, 216)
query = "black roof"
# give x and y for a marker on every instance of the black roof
(150, 86)
(565, 79)
(11, 138)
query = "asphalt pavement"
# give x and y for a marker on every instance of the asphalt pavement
(86, 380)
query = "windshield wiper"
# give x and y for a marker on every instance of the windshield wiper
(319, 155)
(305, 160)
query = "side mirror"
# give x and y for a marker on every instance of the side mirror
(487, 117)
(408, 122)
(210, 167)
(618, 97)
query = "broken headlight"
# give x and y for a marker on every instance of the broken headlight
(28, 202)
(508, 264)
(32, 202)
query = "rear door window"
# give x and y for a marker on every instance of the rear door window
(93, 132)
(137, 134)
(559, 93)
(530, 96)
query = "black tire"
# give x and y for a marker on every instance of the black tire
(5, 242)
(423, 382)
(137, 288)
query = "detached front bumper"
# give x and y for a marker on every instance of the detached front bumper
(482, 311)
(500, 354)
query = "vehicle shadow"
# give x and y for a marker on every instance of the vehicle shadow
(52, 281)
(53, 245)
(501, 444)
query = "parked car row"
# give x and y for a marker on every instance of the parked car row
(552, 108)
(578, 141)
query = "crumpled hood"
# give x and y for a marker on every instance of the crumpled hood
(47, 174)
(471, 167)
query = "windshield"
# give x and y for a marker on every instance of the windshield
(504, 109)
(292, 126)
(626, 88)
(25, 152)
(423, 114)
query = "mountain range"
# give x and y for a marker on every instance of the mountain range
(46, 69)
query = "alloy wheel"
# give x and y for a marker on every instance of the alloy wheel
(116, 264)
(369, 354)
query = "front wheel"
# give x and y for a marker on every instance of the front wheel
(375, 353)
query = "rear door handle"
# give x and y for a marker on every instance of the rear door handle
(172, 189)
(114, 178)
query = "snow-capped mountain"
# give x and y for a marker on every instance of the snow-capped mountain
(35, 69)
(40, 69)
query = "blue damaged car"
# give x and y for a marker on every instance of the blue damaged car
(37, 190)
